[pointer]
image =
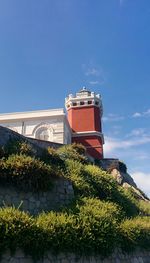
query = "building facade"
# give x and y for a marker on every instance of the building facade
(49, 125)
(81, 124)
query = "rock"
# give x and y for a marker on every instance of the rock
(136, 192)
(117, 176)
(126, 181)
(122, 178)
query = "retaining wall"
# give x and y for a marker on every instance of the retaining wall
(117, 257)
(61, 194)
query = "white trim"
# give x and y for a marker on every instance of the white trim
(88, 133)
(32, 114)
(77, 99)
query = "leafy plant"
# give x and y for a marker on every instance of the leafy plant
(144, 207)
(50, 156)
(73, 151)
(26, 172)
(108, 189)
(135, 233)
(19, 147)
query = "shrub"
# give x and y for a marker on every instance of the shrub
(19, 147)
(92, 229)
(73, 151)
(108, 189)
(19, 230)
(26, 172)
(144, 207)
(61, 235)
(79, 148)
(90, 180)
(135, 233)
(15, 228)
(75, 172)
(50, 156)
(98, 226)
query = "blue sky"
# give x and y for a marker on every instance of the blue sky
(51, 48)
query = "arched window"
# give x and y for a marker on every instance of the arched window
(43, 131)
(43, 134)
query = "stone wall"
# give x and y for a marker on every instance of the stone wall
(44, 144)
(117, 257)
(61, 194)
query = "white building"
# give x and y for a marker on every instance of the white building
(50, 125)
(81, 123)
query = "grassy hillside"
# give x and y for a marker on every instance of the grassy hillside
(102, 216)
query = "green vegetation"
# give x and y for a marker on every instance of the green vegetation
(144, 207)
(92, 229)
(18, 147)
(74, 152)
(26, 172)
(135, 233)
(90, 180)
(102, 216)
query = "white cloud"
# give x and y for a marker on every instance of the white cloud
(141, 114)
(142, 180)
(93, 72)
(113, 144)
(116, 129)
(113, 117)
(95, 75)
(147, 113)
(142, 156)
(137, 132)
(96, 82)
(136, 115)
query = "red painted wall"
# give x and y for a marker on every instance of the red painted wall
(84, 119)
(93, 144)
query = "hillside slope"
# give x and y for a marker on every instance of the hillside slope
(102, 216)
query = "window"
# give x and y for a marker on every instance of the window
(89, 102)
(81, 102)
(43, 134)
(74, 104)
(96, 103)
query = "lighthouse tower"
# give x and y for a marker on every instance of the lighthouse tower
(84, 116)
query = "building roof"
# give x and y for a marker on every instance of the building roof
(31, 114)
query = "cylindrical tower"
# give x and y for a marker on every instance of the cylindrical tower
(84, 116)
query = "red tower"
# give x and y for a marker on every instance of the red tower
(84, 116)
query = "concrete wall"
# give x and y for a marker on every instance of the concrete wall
(117, 257)
(61, 194)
